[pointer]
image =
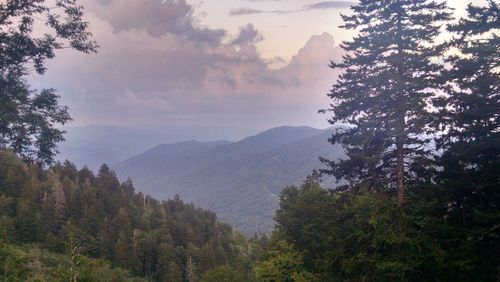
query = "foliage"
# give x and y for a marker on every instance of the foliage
(65, 209)
(29, 263)
(29, 118)
(224, 274)
(365, 236)
(355, 237)
(284, 264)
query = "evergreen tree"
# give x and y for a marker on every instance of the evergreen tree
(470, 117)
(383, 93)
(29, 119)
(470, 144)
(166, 257)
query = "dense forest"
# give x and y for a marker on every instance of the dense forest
(68, 211)
(420, 193)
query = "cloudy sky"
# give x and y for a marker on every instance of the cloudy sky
(240, 63)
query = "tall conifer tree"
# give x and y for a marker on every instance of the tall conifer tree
(384, 92)
(470, 120)
(470, 111)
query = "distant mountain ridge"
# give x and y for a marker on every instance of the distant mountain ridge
(95, 145)
(241, 180)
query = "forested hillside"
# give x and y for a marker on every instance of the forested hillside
(73, 212)
(239, 181)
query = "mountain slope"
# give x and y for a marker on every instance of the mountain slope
(239, 181)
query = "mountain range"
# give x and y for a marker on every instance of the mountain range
(95, 145)
(240, 181)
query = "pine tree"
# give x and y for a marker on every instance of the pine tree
(383, 93)
(470, 114)
(470, 120)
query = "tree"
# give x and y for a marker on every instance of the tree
(166, 257)
(283, 263)
(354, 236)
(469, 114)
(470, 143)
(29, 118)
(383, 93)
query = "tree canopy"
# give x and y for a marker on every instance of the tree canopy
(62, 208)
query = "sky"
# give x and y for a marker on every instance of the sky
(233, 63)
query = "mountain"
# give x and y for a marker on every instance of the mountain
(241, 180)
(95, 145)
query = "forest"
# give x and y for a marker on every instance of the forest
(419, 189)
(96, 222)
